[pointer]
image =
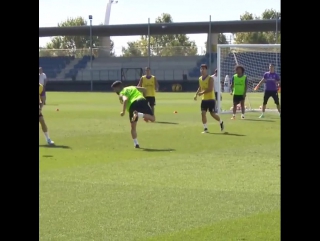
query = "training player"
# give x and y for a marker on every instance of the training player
(216, 85)
(208, 103)
(43, 82)
(134, 102)
(272, 82)
(239, 85)
(150, 83)
(41, 119)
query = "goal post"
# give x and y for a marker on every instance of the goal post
(255, 58)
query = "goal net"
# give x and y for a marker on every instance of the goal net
(255, 58)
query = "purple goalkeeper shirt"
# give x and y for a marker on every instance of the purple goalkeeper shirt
(271, 81)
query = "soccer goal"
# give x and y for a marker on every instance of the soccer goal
(255, 58)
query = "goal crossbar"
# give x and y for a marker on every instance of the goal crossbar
(233, 50)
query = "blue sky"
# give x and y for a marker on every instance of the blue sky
(52, 12)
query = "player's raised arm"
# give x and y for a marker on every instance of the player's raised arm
(142, 90)
(261, 82)
(140, 82)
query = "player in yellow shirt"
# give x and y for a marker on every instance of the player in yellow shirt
(208, 103)
(41, 119)
(150, 83)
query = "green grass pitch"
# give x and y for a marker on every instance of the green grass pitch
(184, 186)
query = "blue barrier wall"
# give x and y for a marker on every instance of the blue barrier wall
(104, 86)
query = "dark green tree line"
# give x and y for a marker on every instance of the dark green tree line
(259, 37)
(65, 45)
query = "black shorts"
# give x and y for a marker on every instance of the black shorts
(151, 100)
(140, 105)
(237, 99)
(208, 105)
(273, 94)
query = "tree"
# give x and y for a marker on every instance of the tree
(161, 45)
(259, 37)
(222, 39)
(72, 43)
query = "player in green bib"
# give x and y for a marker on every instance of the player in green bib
(239, 89)
(133, 100)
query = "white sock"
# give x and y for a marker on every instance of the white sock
(220, 121)
(242, 114)
(46, 134)
(205, 126)
(135, 141)
(140, 115)
(233, 115)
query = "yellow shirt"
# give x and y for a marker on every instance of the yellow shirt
(204, 84)
(150, 85)
(40, 91)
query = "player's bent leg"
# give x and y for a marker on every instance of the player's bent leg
(215, 115)
(151, 102)
(217, 118)
(152, 110)
(204, 120)
(264, 104)
(147, 117)
(143, 110)
(277, 101)
(279, 109)
(152, 105)
(43, 97)
(134, 134)
(243, 108)
(204, 109)
(234, 108)
(45, 130)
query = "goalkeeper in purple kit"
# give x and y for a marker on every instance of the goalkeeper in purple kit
(272, 81)
(133, 100)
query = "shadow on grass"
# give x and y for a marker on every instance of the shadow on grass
(274, 117)
(166, 122)
(157, 150)
(225, 133)
(259, 120)
(47, 156)
(55, 146)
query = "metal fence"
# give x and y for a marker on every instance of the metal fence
(117, 74)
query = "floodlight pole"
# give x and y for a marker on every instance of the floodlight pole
(277, 20)
(210, 46)
(149, 51)
(91, 77)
